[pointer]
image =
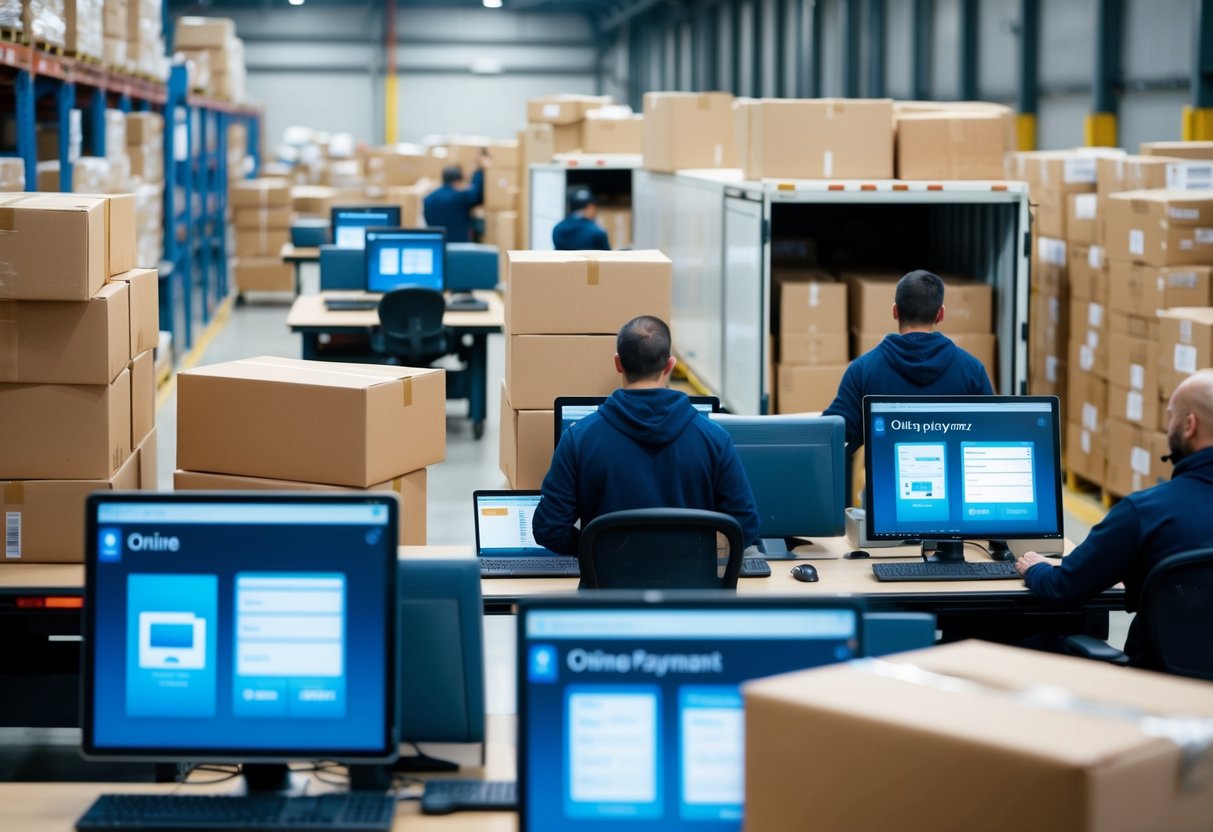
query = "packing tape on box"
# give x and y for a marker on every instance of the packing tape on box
(14, 493)
(1191, 734)
(705, 102)
(398, 485)
(407, 393)
(592, 268)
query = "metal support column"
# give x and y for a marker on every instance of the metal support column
(1198, 116)
(221, 178)
(735, 47)
(800, 84)
(969, 9)
(1029, 37)
(27, 138)
(924, 13)
(816, 89)
(853, 41)
(66, 101)
(779, 28)
(876, 48)
(1101, 121)
(712, 49)
(674, 32)
(96, 121)
(756, 49)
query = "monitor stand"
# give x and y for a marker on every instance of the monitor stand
(952, 551)
(268, 778)
(421, 762)
(776, 548)
(1000, 551)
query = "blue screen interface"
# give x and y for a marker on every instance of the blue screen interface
(404, 258)
(968, 469)
(634, 717)
(350, 224)
(241, 626)
(503, 526)
(573, 413)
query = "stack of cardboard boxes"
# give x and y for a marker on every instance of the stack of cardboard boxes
(145, 38)
(212, 42)
(281, 424)
(84, 28)
(115, 22)
(261, 216)
(813, 339)
(145, 147)
(563, 311)
(77, 388)
(502, 185)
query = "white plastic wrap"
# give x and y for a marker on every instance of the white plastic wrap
(115, 133)
(45, 22)
(12, 175)
(92, 175)
(10, 15)
(85, 33)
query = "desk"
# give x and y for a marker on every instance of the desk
(311, 319)
(297, 257)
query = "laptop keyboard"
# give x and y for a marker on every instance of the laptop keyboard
(569, 568)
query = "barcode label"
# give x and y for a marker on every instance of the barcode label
(1137, 241)
(12, 534)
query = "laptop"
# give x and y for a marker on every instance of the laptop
(570, 409)
(506, 548)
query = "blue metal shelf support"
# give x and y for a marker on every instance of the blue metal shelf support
(27, 139)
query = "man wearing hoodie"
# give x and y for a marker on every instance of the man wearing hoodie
(646, 447)
(1145, 527)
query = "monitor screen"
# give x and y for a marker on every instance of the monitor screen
(503, 524)
(961, 467)
(231, 627)
(398, 257)
(630, 709)
(570, 409)
(350, 222)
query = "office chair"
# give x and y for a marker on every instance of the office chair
(410, 326)
(1178, 592)
(659, 548)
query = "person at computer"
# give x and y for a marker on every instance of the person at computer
(1145, 527)
(450, 206)
(579, 231)
(646, 447)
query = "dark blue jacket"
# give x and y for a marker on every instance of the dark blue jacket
(451, 208)
(1138, 532)
(914, 364)
(642, 449)
(576, 233)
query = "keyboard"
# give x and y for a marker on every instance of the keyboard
(466, 303)
(755, 568)
(570, 568)
(984, 571)
(350, 304)
(442, 797)
(350, 811)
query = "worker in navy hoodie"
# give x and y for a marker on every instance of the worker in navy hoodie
(450, 206)
(578, 231)
(646, 447)
(1145, 527)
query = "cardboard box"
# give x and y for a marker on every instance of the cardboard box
(689, 130)
(807, 389)
(617, 223)
(267, 192)
(1086, 452)
(1185, 345)
(400, 167)
(1129, 173)
(144, 285)
(1142, 290)
(566, 138)
(563, 109)
(952, 144)
(53, 246)
(48, 342)
(143, 397)
(537, 145)
(814, 349)
(501, 230)
(527, 438)
(266, 242)
(312, 200)
(1047, 373)
(812, 306)
(538, 368)
(144, 128)
(204, 32)
(612, 135)
(505, 153)
(410, 487)
(584, 292)
(1133, 364)
(1160, 228)
(1135, 458)
(1049, 266)
(1086, 399)
(1089, 338)
(971, 707)
(310, 421)
(256, 219)
(1133, 406)
(1178, 150)
(1082, 218)
(1087, 272)
(1048, 322)
(1134, 325)
(829, 138)
(501, 189)
(968, 305)
(1054, 174)
(264, 274)
(120, 231)
(60, 431)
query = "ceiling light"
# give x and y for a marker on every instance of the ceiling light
(492, 4)
(295, 2)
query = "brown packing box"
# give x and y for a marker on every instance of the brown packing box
(526, 444)
(1081, 218)
(1087, 273)
(563, 109)
(1130, 173)
(537, 145)
(312, 200)
(50, 512)
(311, 421)
(1160, 228)
(952, 144)
(1180, 150)
(500, 189)
(83, 342)
(505, 153)
(617, 223)
(1086, 758)
(411, 487)
(1049, 266)
(120, 231)
(612, 135)
(1089, 338)
(813, 306)
(538, 368)
(559, 292)
(1047, 374)
(1050, 218)
(1048, 322)
(268, 192)
(410, 168)
(1086, 452)
(1133, 364)
(1185, 345)
(1086, 399)
(1053, 174)
(1135, 459)
(264, 274)
(143, 397)
(203, 32)
(501, 230)
(59, 431)
(968, 305)
(266, 242)
(822, 348)
(256, 219)
(807, 389)
(144, 128)
(1142, 290)
(689, 130)
(144, 296)
(566, 138)
(1135, 325)
(53, 246)
(829, 138)
(1133, 406)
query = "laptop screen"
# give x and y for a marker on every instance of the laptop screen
(571, 409)
(631, 712)
(503, 524)
(405, 257)
(350, 222)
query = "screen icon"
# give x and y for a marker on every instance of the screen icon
(109, 548)
(172, 641)
(542, 664)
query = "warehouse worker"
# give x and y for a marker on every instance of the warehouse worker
(578, 231)
(646, 447)
(450, 206)
(1145, 527)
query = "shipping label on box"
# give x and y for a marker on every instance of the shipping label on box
(1141, 290)
(1190, 176)
(1133, 406)
(1185, 345)
(49, 342)
(807, 389)
(527, 441)
(1133, 364)
(538, 368)
(1134, 458)
(1160, 228)
(53, 246)
(813, 307)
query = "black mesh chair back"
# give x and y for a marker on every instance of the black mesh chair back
(410, 321)
(1178, 593)
(660, 548)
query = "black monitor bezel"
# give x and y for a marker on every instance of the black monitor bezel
(408, 232)
(561, 402)
(390, 748)
(1055, 412)
(367, 207)
(502, 492)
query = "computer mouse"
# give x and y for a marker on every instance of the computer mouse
(856, 554)
(806, 572)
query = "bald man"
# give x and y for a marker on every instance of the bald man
(1146, 527)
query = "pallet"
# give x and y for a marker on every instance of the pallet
(84, 58)
(1082, 485)
(48, 47)
(10, 35)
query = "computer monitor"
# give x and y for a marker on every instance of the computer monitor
(629, 704)
(503, 524)
(797, 470)
(948, 469)
(350, 222)
(342, 268)
(241, 628)
(570, 409)
(398, 257)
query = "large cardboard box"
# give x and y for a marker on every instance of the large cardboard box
(616, 221)
(1129, 173)
(505, 153)
(256, 219)
(1141, 290)
(1089, 338)
(1087, 272)
(1086, 452)
(563, 109)
(814, 349)
(1135, 458)
(311, 421)
(968, 305)
(814, 306)
(538, 368)
(829, 138)
(802, 389)
(120, 231)
(266, 242)
(500, 189)
(82, 342)
(537, 145)
(1049, 266)
(1133, 364)
(1082, 218)
(952, 144)
(144, 285)
(1185, 345)
(60, 431)
(1133, 406)
(1086, 399)
(584, 292)
(612, 135)
(527, 440)
(1160, 228)
(204, 32)
(689, 130)
(1056, 723)
(1179, 150)
(267, 192)
(264, 274)
(312, 200)
(53, 246)
(411, 487)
